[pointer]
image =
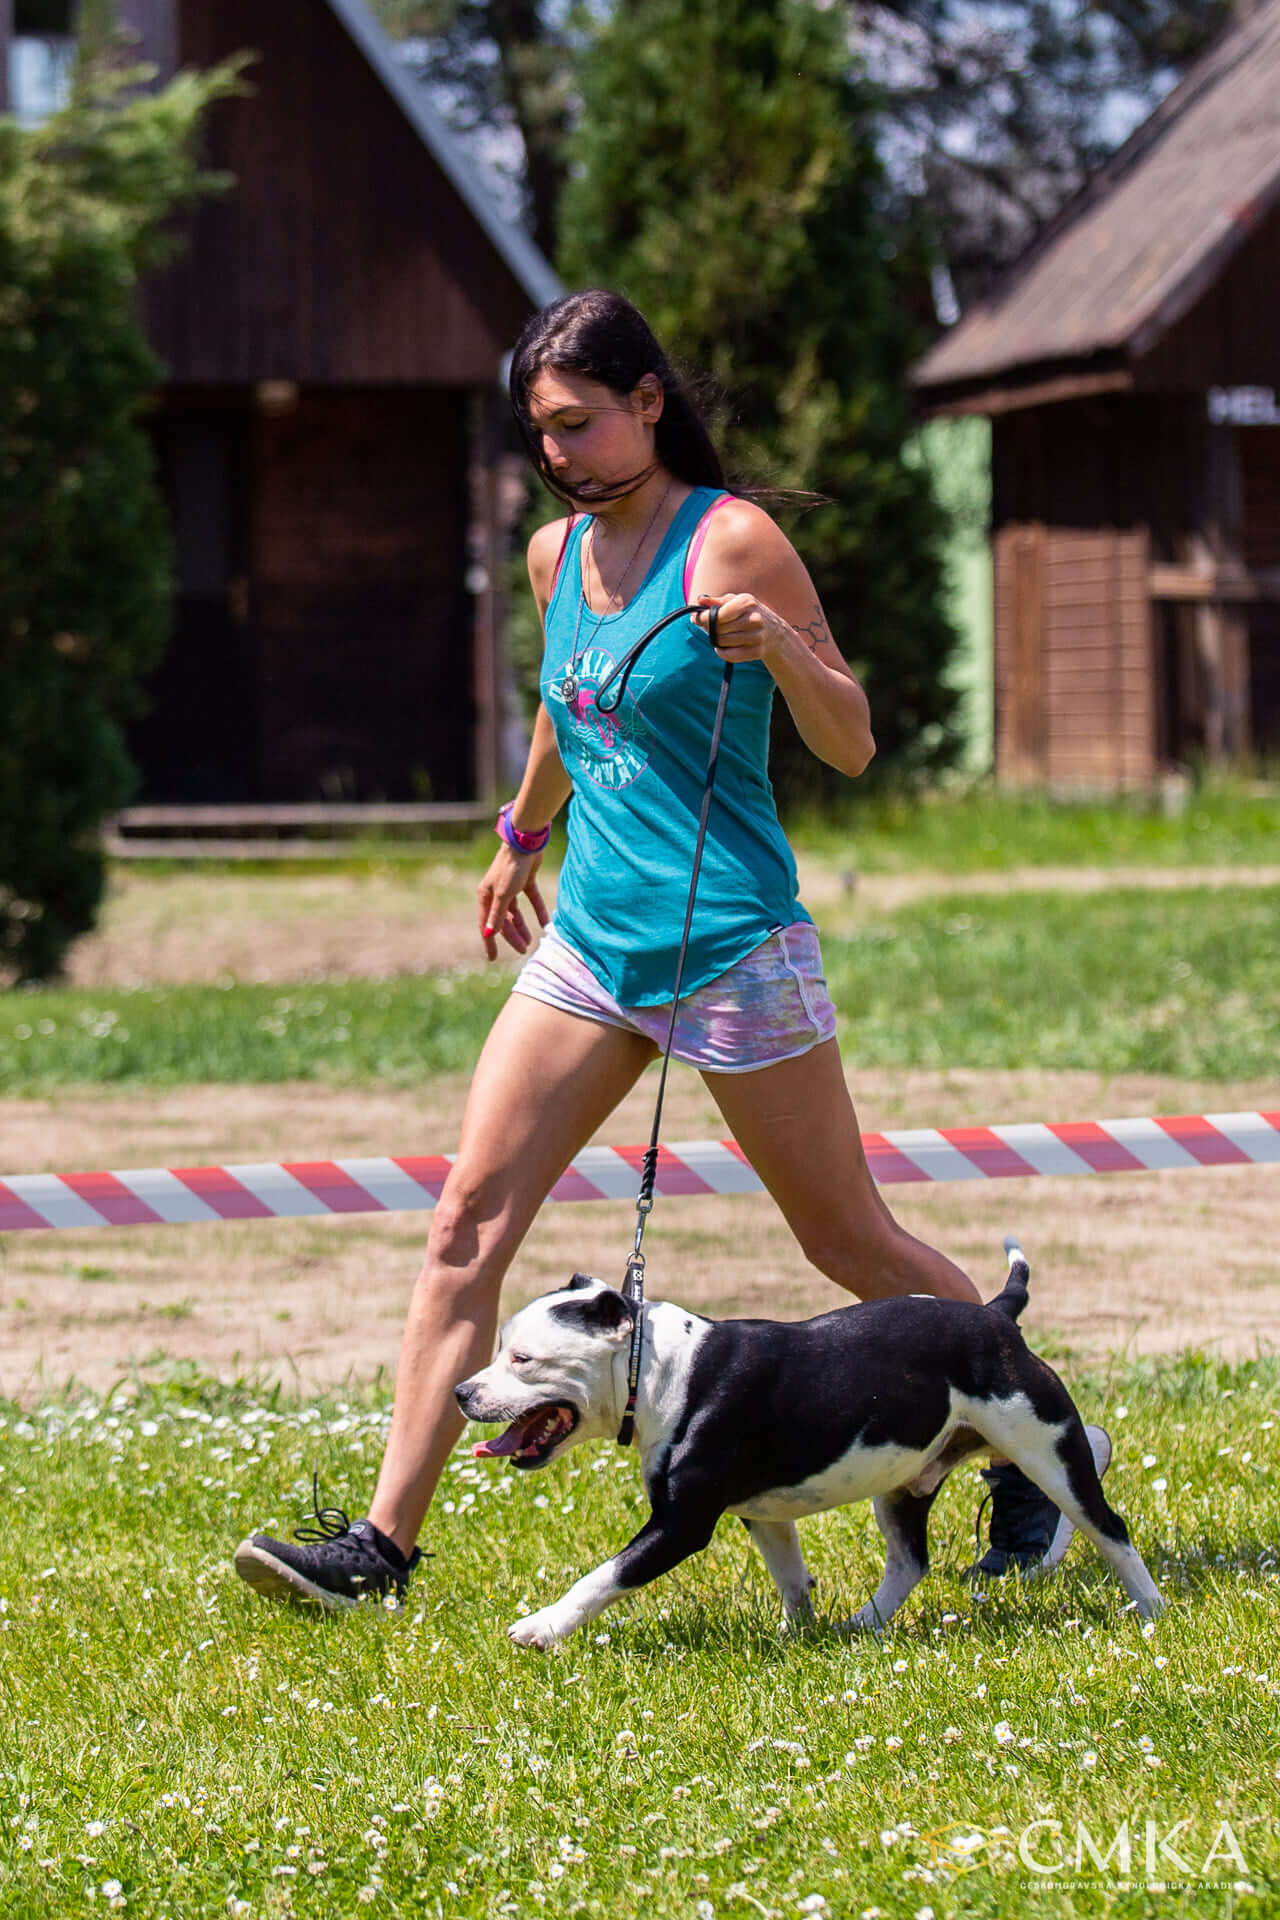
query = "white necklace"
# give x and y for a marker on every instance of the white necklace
(570, 684)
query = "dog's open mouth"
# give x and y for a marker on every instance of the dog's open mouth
(529, 1440)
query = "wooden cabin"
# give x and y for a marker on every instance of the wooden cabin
(331, 423)
(1130, 367)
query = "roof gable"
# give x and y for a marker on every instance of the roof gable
(1130, 254)
(357, 245)
(528, 265)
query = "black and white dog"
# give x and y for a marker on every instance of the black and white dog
(772, 1420)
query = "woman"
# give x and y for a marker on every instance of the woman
(652, 527)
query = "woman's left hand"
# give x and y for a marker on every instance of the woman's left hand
(747, 629)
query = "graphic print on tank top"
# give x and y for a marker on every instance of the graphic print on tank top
(611, 748)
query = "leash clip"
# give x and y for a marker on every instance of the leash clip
(633, 1281)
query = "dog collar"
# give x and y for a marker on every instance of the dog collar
(626, 1432)
(633, 1294)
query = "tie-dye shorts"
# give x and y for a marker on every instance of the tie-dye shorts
(771, 1006)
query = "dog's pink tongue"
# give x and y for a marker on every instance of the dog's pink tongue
(505, 1443)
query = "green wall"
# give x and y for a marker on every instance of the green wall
(958, 454)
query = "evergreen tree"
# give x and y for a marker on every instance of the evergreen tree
(726, 180)
(85, 583)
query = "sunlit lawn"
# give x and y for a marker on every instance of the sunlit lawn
(1181, 983)
(178, 1746)
(1218, 821)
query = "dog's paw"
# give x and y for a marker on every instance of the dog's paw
(540, 1630)
(798, 1617)
(867, 1619)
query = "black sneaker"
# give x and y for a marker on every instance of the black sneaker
(339, 1563)
(1027, 1530)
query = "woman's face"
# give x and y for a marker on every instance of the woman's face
(594, 439)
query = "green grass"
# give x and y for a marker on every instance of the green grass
(1180, 983)
(177, 1745)
(357, 1031)
(1223, 823)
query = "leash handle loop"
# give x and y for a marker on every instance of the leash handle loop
(622, 671)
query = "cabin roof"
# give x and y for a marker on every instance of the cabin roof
(527, 263)
(1147, 234)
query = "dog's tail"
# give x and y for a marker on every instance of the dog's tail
(1014, 1297)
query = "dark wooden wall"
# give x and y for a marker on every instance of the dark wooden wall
(1264, 679)
(1114, 460)
(1077, 488)
(1260, 489)
(322, 643)
(358, 554)
(344, 254)
(1231, 335)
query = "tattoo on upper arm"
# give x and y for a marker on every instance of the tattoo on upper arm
(815, 630)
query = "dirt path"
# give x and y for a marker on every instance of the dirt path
(200, 927)
(1147, 1263)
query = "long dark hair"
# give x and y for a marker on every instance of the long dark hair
(602, 337)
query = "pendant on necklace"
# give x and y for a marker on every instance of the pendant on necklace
(569, 689)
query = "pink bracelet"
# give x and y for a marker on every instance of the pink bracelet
(522, 842)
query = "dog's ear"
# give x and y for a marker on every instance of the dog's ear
(610, 1311)
(581, 1280)
(606, 1312)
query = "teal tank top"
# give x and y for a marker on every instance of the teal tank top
(638, 776)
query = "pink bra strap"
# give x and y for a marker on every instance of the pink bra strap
(569, 524)
(699, 535)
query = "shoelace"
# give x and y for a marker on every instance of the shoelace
(331, 1522)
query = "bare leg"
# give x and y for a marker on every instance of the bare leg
(543, 1084)
(796, 1124)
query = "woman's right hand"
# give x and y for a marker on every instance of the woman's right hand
(498, 896)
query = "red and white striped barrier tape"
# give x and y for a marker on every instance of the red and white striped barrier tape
(156, 1196)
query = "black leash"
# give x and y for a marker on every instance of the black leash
(633, 1283)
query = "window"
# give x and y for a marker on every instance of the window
(41, 57)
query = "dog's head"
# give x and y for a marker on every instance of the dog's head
(553, 1376)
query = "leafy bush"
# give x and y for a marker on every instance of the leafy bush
(85, 564)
